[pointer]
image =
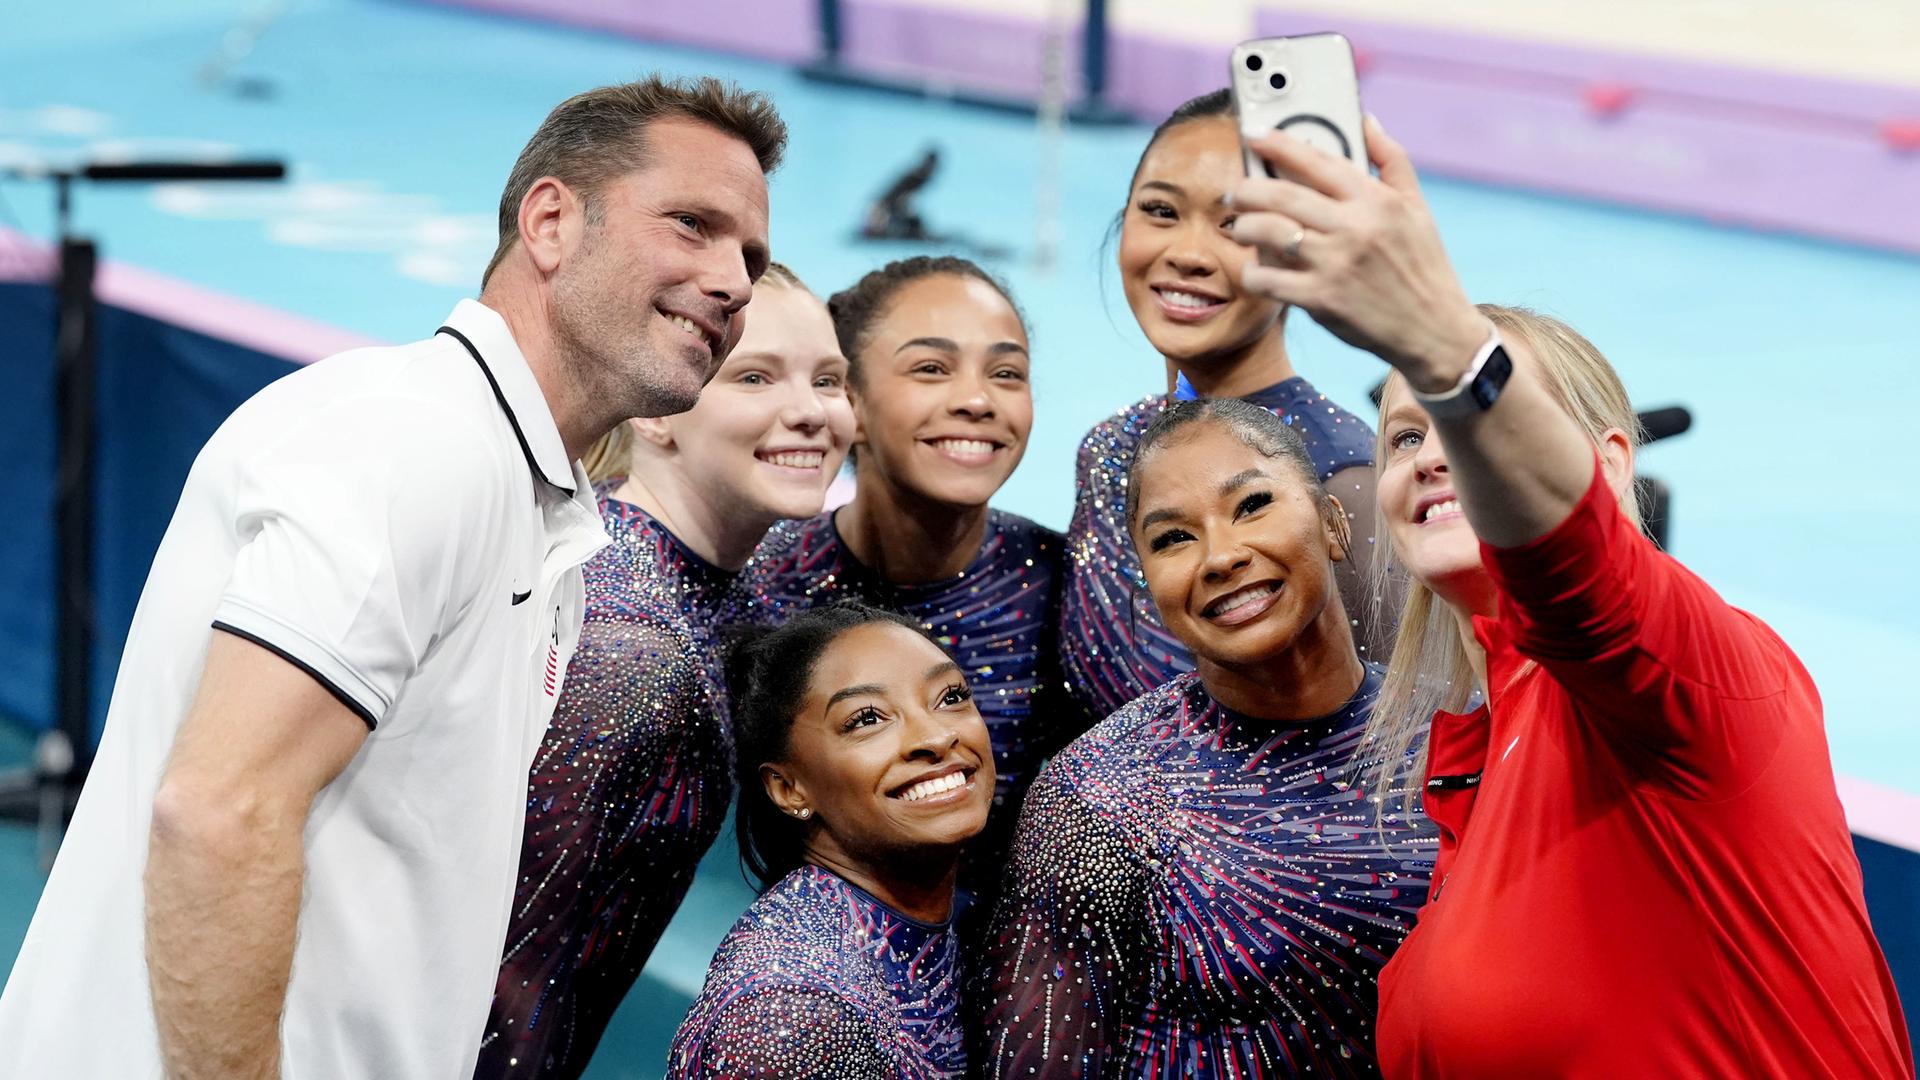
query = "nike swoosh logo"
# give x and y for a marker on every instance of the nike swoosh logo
(521, 597)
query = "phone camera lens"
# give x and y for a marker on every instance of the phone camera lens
(1277, 80)
(1254, 62)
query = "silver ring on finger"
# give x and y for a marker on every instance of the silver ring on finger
(1291, 249)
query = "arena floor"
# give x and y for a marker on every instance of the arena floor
(401, 121)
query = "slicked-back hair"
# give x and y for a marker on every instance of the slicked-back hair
(768, 672)
(1213, 103)
(856, 308)
(1255, 427)
(592, 138)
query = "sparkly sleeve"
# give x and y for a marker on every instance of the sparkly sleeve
(598, 784)
(1084, 590)
(1336, 439)
(1063, 715)
(1063, 969)
(783, 1033)
(1112, 646)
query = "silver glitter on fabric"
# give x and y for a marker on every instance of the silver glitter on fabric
(628, 790)
(1195, 893)
(820, 981)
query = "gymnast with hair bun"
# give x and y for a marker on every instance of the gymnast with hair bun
(1197, 886)
(1180, 269)
(864, 767)
(939, 379)
(631, 782)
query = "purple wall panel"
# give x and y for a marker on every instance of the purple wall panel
(786, 30)
(1149, 76)
(1745, 147)
(1003, 55)
(1757, 148)
(1465, 53)
(995, 54)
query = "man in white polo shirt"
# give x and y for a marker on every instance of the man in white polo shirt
(295, 853)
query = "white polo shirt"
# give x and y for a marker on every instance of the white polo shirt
(403, 524)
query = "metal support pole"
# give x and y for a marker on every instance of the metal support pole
(829, 31)
(1093, 56)
(1656, 508)
(74, 394)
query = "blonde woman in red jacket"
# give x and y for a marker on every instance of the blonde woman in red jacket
(1645, 869)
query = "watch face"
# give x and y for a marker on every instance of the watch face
(1492, 378)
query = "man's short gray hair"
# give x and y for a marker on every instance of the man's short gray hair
(592, 138)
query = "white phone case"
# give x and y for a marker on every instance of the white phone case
(1305, 86)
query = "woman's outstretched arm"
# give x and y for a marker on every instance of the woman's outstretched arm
(1370, 268)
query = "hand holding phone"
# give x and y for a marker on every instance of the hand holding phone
(1359, 253)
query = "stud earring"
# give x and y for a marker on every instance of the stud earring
(803, 813)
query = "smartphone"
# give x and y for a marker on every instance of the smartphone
(1305, 86)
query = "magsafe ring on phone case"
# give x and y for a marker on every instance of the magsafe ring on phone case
(1319, 133)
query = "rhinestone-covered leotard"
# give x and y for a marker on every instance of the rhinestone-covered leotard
(628, 790)
(1196, 893)
(820, 981)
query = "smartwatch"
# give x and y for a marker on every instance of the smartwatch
(1478, 389)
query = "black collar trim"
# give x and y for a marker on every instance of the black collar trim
(525, 448)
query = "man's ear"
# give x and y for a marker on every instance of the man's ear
(552, 223)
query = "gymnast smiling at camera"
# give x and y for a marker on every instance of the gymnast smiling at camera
(940, 381)
(864, 768)
(1180, 268)
(1197, 888)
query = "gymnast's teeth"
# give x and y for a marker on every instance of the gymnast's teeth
(1451, 506)
(964, 446)
(1186, 299)
(939, 785)
(1241, 598)
(796, 459)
